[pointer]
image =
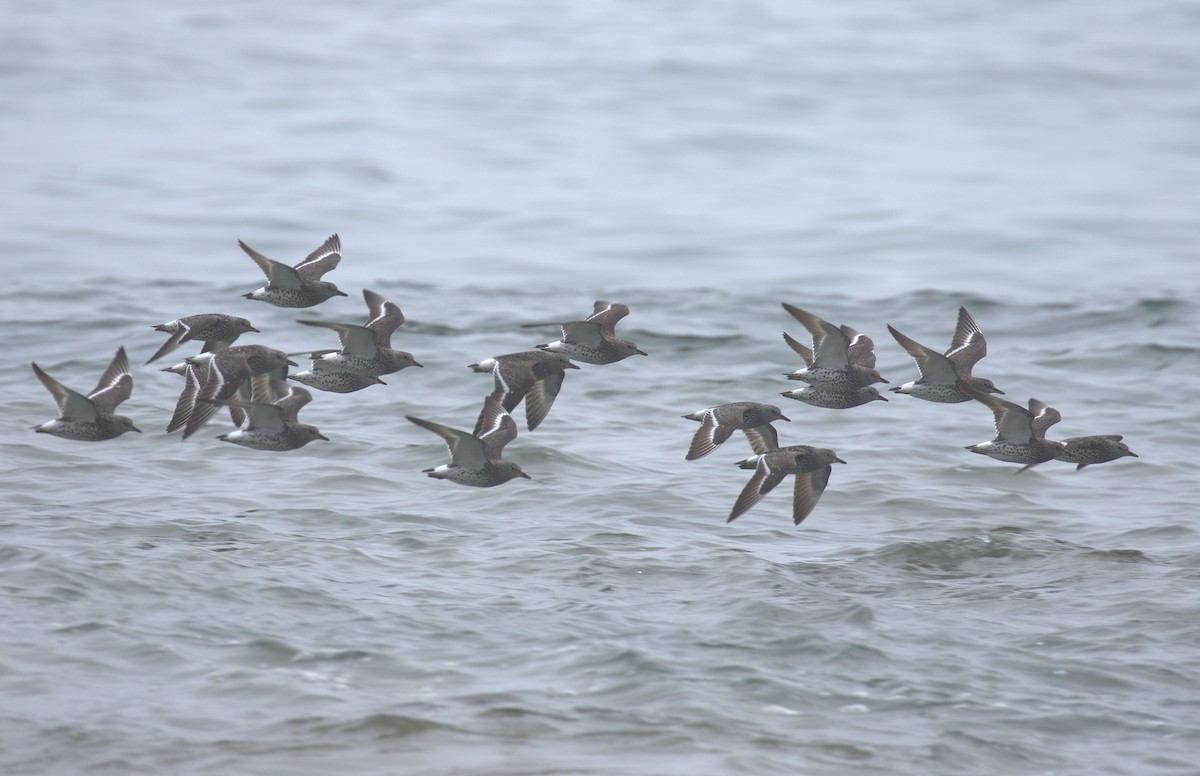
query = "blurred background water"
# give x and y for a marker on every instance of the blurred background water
(201, 608)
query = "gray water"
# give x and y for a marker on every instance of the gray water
(195, 607)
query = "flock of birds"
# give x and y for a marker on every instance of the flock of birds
(840, 373)
(251, 382)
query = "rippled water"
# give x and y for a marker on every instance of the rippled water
(187, 607)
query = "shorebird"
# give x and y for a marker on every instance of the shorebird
(533, 375)
(271, 423)
(1087, 450)
(944, 375)
(367, 349)
(218, 331)
(299, 286)
(218, 376)
(475, 458)
(593, 340)
(810, 465)
(90, 418)
(835, 398)
(1020, 432)
(718, 423)
(840, 357)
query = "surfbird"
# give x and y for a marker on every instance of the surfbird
(90, 418)
(475, 458)
(533, 375)
(829, 397)
(271, 423)
(593, 340)
(1020, 432)
(217, 376)
(335, 382)
(810, 465)
(299, 286)
(1087, 450)
(718, 423)
(216, 330)
(831, 361)
(367, 349)
(943, 375)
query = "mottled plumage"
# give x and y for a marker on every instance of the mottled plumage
(90, 418)
(840, 358)
(533, 375)
(216, 330)
(810, 465)
(1020, 432)
(216, 377)
(1086, 450)
(593, 340)
(718, 423)
(367, 349)
(299, 286)
(822, 395)
(475, 458)
(335, 382)
(944, 375)
(271, 423)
